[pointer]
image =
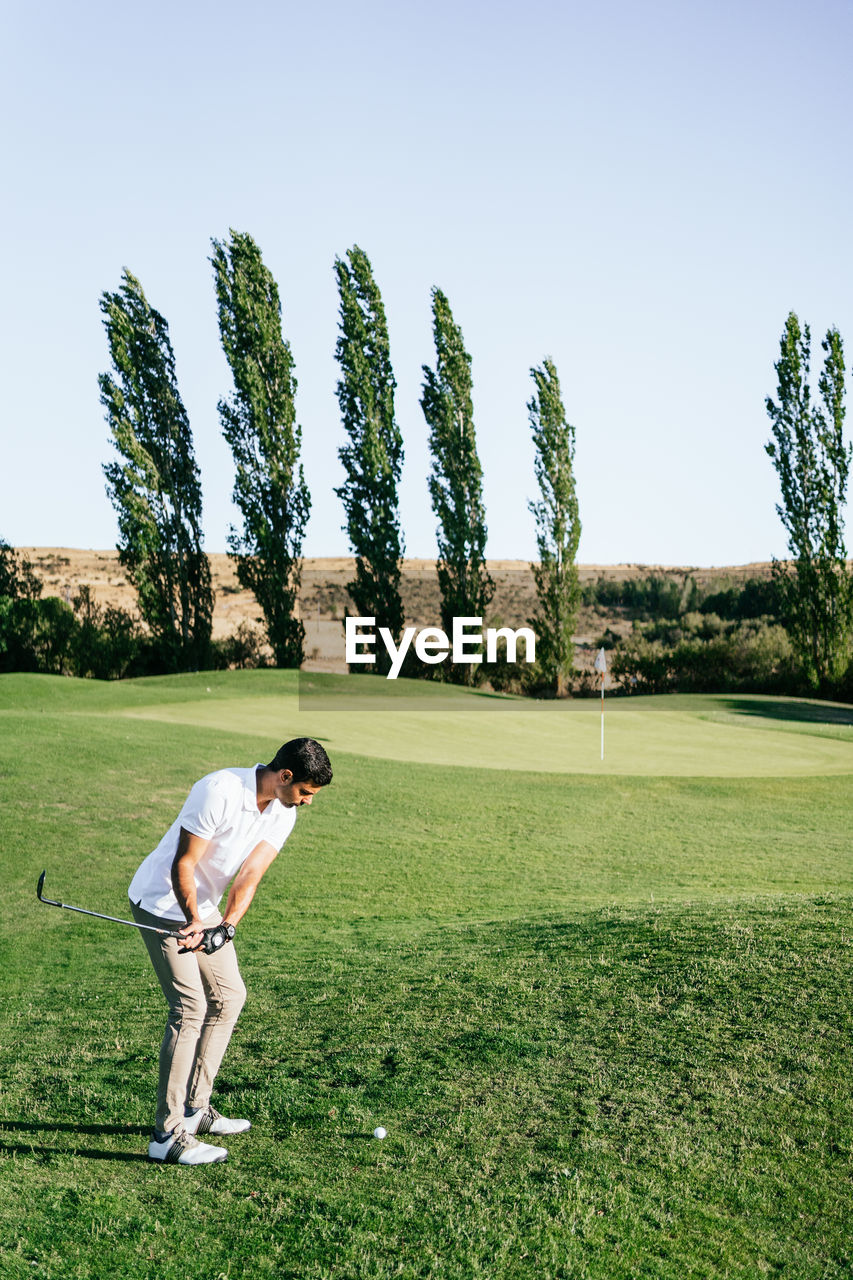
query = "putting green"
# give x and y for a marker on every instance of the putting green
(686, 736)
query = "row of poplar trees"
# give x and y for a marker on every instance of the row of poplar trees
(155, 487)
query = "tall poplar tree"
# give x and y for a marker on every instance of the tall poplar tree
(812, 462)
(18, 580)
(558, 529)
(456, 482)
(155, 486)
(373, 458)
(259, 423)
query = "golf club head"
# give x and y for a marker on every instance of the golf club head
(40, 892)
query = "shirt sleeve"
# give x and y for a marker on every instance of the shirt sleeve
(206, 808)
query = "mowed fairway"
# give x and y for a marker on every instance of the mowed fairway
(603, 1010)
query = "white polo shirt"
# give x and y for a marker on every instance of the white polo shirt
(222, 808)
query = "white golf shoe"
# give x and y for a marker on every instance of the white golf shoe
(208, 1120)
(181, 1147)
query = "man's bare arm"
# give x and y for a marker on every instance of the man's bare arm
(190, 852)
(247, 880)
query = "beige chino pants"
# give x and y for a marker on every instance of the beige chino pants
(205, 995)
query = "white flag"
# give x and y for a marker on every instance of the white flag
(600, 663)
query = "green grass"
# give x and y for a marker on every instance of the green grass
(606, 1020)
(678, 736)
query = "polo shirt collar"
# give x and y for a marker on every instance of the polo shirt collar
(250, 789)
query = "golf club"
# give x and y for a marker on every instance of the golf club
(212, 939)
(49, 902)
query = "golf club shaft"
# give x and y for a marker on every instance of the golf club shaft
(50, 902)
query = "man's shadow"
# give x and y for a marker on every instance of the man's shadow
(90, 1153)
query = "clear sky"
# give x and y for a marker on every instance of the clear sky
(641, 191)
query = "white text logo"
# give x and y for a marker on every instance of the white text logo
(432, 644)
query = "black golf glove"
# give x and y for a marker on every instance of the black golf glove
(213, 939)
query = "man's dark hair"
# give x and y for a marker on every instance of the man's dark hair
(306, 760)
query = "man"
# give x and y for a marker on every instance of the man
(230, 829)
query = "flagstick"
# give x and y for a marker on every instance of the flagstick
(600, 665)
(602, 717)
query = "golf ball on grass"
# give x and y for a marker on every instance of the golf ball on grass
(379, 1132)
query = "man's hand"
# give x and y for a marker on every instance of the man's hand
(192, 935)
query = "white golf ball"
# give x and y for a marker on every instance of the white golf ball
(379, 1132)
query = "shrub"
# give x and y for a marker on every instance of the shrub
(755, 598)
(750, 657)
(35, 635)
(106, 641)
(653, 596)
(244, 650)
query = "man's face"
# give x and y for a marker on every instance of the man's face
(293, 794)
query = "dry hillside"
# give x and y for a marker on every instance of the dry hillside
(324, 600)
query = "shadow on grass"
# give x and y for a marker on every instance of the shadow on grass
(89, 1153)
(63, 1126)
(792, 710)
